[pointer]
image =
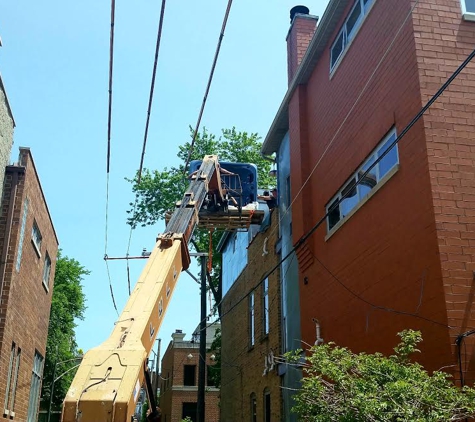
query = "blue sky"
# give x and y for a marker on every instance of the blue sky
(54, 62)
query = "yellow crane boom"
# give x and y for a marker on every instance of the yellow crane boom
(107, 384)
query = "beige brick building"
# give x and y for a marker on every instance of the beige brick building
(251, 332)
(179, 379)
(28, 248)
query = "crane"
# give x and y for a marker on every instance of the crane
(109, 379)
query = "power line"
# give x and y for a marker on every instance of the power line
(305, 237)
(208, 86)
(152, 86)
(111, 67)
(109, 127)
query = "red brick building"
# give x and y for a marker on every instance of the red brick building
(399, 250)
(251, 328)
(28, 247)
(179, 379)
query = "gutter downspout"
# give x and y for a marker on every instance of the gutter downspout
(8, 231)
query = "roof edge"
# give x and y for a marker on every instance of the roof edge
(280, 124)
(6, 100)
(30, 155)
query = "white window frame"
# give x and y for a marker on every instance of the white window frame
(365, 8)
(35, 388)
(47, 271)
(265, 307)
(36, 237)
(468, 16)
(360, 196)
(252, 320)
(22, 235)
(9, 380)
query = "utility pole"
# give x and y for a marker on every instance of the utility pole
(157, 373)
(202, 361)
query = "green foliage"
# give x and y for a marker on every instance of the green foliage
(144, 411)
(158, 191)
(216, 350)
(342, 386)
(68, 303)
(187, 419)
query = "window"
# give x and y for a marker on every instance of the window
(351, 194)
(265, 306)
(36, 237)
(468, 9)
(35, 387)
(287, 193)
(211, 375)
(22, 234)
(47, 270)
(252, 339)
(189, 411)
(267, 405)
(189, 377)
(253, 408)
(16, 369)
(9, 379)
(349, 30)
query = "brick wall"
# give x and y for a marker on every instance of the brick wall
(443, 41)
(299, 37)
(6, 133)
(172, 391)
(243, 365)
(387, 253)
(25, 301)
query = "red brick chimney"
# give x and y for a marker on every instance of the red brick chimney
(302, 28)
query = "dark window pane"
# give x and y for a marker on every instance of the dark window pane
(189, 411)
(390, 159)
(333, 214)
(267, 407)
(347, 204)
(370, 180)
(470, 6)
(189, 375)
(353, 20)
(337, 49)
(253, 408)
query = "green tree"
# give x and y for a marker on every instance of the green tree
(68, 303)
(158, 191)
(342, 386)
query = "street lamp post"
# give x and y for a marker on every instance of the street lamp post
(57, 378)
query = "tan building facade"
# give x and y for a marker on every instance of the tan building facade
(179, 380)
(251, 333)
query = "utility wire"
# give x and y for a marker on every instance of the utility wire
(109, 127)
(111, 67)
(305, 237)
(152, 87)
(147, 123)
(208, 86)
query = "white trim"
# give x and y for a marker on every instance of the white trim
(383, 181)
(468, 16)
(365, 12)
(354, 176)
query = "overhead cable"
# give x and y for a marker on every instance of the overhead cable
(208, 86)
(306, 236)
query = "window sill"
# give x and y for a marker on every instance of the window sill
(468, 16)
(348, 46)
(35, 247)
(45, 286)
(382, 182)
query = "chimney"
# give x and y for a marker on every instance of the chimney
(302, 28)
(178, 336)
